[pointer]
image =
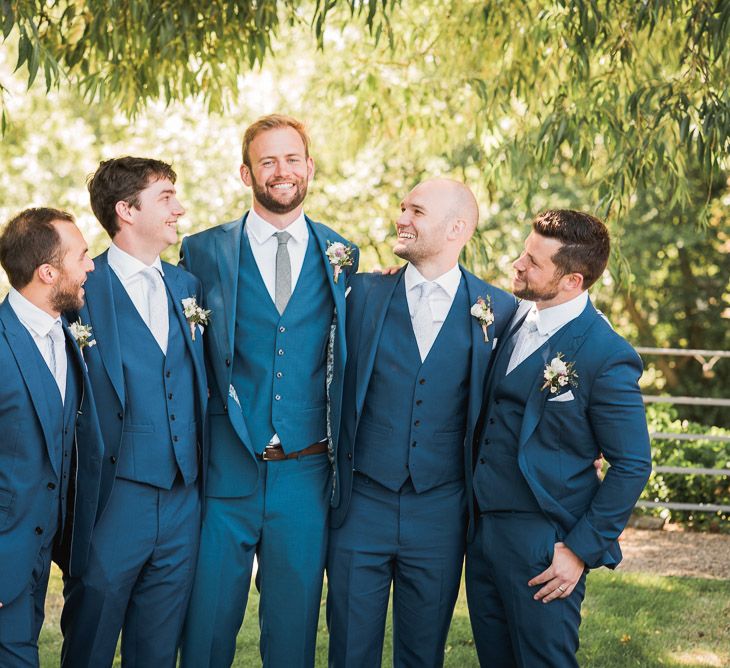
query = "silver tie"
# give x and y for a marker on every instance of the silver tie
(157, 316)
(423, 319)
(282, 287)
(525, 345)
(56, 349)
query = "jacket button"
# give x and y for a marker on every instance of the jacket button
(175, 438)
(113, 459)
(349, 455)
(486, 441)
(172, 417)
(422, 381)
(277, 397)
(491, 420)
(168, 374)
(38, 531)
(51, 485)
(279, 374)
(481, 460)
(280, 352)
(120, 415)
(419, 402)
(282, 329)
(413, 445)
(169, 396)
(225, 408)
(416, 423)
(228, 362)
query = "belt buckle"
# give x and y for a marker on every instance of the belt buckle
(268, 453)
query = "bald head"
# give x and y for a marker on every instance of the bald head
(438, 217)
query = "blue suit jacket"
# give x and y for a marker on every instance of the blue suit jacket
(214, 256)
(27, 467)
(105, 360)
(367, 305)
(560, 439)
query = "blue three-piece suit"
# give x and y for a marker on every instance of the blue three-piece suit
(400, 509)
(50, 463)
(152, 408)
(268, 373)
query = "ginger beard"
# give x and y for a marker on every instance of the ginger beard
(274, 197)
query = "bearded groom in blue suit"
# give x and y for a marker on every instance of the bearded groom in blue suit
(419, 345)
(148, 377)
(563, 388)
(50, 451)
(275, 282)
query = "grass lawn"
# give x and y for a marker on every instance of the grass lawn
(629, 619)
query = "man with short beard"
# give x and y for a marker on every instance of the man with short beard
(148, 375)
(419, 343)
(563, 388)
(48, 484)
(275, 282)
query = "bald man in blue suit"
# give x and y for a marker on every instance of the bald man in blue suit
(49, 483)
(562, 389)
(419, 345)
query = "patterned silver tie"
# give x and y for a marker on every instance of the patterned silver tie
(56, 348)
(157, 316)
(525, 343)
(282, 287)
(423, 319)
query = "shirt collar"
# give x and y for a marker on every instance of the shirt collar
(30, 315)
(125, 265)
(448, 281)
(261, 230)
(550, 320)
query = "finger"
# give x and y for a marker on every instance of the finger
(548, 589)
(542, 578)
(561, 591)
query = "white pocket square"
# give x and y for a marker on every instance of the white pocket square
(494, 343)
(566, 396)
(347, 291)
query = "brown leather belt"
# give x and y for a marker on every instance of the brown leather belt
(275, 453)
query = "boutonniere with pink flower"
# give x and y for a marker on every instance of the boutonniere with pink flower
(558, 374)
(482, 311)
(195, 314)
(82, 334)
(339, 256)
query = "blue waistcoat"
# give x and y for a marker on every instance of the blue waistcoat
(414, 414)
(63, 425)
(159, 435)
(498, 481)
(280, 363)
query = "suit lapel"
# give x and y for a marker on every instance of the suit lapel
(100, 303)
(481, 351)
(26, 355)
(374, 310)
(228, 247)
(177, 293)
(338, 289)
(567, 341)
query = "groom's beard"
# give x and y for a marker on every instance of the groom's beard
(545, 294)
(272, 201)
(67, 295)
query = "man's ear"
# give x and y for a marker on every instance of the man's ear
(47, 274)
(123, 211)
(245, 173)
(574, 281)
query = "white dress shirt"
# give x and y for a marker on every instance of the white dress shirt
(547, 321)
(440, 299)
(39, 324)
(129, 272)
(264, 244)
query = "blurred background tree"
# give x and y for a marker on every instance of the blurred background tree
(618, 108)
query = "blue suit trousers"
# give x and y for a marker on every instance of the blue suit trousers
(511, 629)
(284, 523)
(416, 543)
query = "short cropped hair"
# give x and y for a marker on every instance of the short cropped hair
(586, 242)
(272, 122)
(122, 180)
(29, 240)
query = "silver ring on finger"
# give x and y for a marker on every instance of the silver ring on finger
(562, 588)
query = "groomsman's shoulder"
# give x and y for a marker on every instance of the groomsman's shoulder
(606, 344)
(181, 274)
(329, 234)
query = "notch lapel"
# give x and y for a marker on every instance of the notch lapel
(376, 306)
(100, 305)
(566, 340)
(26, 355)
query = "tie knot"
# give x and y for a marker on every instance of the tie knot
(282, 238)
(56, 331)
(531, 324)
(428, 288)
